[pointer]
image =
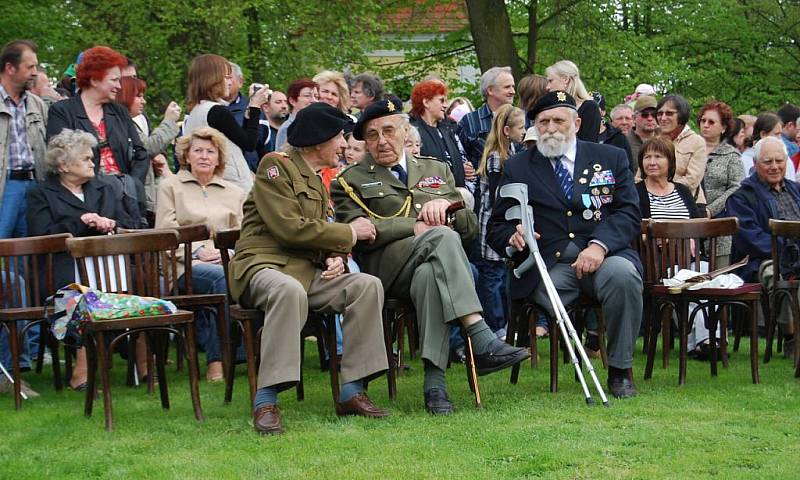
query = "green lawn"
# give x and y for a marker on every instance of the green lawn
(722, 427)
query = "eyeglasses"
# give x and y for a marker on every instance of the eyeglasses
(373, 135)
(647, 114)
(666, 113)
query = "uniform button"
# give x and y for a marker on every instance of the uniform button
(417, 206)
(380, 194)
(569, 213)
(571, 235)
(558, 254)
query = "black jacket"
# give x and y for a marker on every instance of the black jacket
(444, 148)
(121, 133)
(54, 209)
(614, 136)
(683, 192)
(561, 221)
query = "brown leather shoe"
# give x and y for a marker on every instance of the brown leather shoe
(267, 420)
(362, 406)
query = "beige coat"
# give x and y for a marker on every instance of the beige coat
(183, 201)
(36, 124)
(690, 162)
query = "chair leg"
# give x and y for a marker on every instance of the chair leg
(131, 377)
(754, 341)
(683, 323)
(16, 372)
(472, 375)
(223, 333)
(103, 364)
(91, 374)
(523, 340)
(652, 343)
(159, 345)
(300, 389)
(554, 338)
(250, 346)
(601, 337)
(151, 379)
(52, 344)
(230, 372)
(42, 343)
(391, 374)
(532, 319)
(333, 363)
(712, 338)
(194, 370)
(666, 335)
(723, 338)
(770, 321)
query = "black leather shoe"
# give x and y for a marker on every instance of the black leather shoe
(267, 420)
(621, 387)
(437, 403)
(499, 356)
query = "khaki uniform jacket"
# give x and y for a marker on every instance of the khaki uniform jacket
(385, 199)
(35, 126)
(286, 224)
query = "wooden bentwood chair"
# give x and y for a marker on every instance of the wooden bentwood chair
(671, 243)
(22, 263)
(132, 264)
(783, 289)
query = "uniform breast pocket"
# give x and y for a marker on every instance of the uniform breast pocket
(310, 200)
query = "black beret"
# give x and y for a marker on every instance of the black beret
(316, 124)
(382, 108)
(550, 100)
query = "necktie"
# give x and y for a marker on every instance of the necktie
(401, 173)
(564, 178)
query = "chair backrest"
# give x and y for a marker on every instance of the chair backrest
(786, 229)
(127, 263)
(677, 243)
(23, 263)
(225, 241)
(186, 235)
(642, 247)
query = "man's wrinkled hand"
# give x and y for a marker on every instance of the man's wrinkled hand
(589, 260)
(518, 239)
(335, 268)
(434, 213)
(364, 229)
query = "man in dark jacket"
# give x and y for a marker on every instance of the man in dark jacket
(586, 210)
(764, 195)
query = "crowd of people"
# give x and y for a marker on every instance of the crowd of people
(344, 199)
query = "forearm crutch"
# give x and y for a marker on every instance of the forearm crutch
(11, 379)
(524, 213)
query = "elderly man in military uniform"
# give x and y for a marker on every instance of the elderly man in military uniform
(289, 258)
(586, 213)
(416, 252)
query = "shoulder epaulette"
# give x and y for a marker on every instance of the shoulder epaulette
(426, 157)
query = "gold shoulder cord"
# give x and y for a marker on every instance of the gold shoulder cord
(405, 209)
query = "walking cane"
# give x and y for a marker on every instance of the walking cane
(524, 213)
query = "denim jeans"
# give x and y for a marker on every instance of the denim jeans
(491, 288)
(207, 278)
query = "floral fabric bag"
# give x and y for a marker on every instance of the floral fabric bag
(76, 305)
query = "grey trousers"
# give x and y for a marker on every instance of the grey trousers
(618, 287)
(285, 303)
(766, 276)
(439, 281)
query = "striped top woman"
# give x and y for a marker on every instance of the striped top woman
(659, 197)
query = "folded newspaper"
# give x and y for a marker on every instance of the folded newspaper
(726, 281)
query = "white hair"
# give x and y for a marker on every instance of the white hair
(237, 70)
(489, 79)
(760, 146)
(619, 108)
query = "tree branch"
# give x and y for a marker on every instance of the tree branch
(558, 11)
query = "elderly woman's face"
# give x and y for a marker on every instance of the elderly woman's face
(655, 164)
(436, 106)
(109, 86)
(667, 117)
(202, 157)
(80, 166)
(711, 127)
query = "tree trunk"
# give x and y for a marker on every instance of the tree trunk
(491, 32)
(533, 34)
